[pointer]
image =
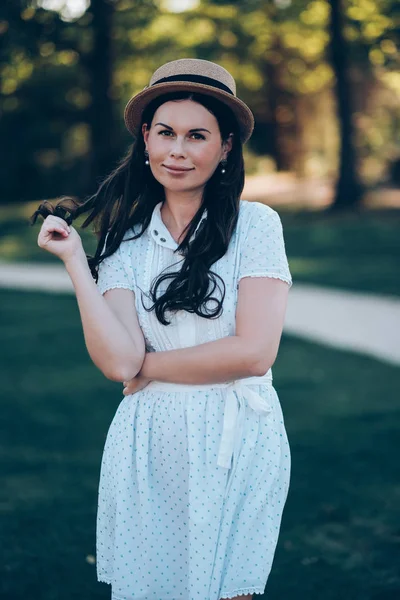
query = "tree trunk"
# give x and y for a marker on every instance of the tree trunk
(101, 118)
(348, 189)
(272, 140)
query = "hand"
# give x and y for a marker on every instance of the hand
(59, 238)
(134, 385)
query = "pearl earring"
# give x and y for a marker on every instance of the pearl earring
(147, 157)
(223, 164)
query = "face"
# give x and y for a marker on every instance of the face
(184, 134)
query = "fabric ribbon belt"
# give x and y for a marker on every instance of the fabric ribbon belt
(239, 392)
(238, 396)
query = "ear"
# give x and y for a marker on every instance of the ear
(145, 132)
(228, 145)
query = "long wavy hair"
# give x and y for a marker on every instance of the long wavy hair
(127, 197)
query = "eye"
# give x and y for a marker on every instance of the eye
(198, 134)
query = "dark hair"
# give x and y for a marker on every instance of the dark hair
(128, 195)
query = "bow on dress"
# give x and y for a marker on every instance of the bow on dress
(238, 392)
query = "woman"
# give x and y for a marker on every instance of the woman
(188, 313)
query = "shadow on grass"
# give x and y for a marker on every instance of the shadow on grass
(340, 535)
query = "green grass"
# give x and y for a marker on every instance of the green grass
(340, 535)
(358, 252)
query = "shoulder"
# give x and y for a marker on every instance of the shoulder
(127, 240)
(124, 246)
(256, 208)
(257, 214)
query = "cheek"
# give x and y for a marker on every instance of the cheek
(157, 150)
(206, 158)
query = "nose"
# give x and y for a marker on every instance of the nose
(177, 148)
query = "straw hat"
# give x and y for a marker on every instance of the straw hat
(192, 74)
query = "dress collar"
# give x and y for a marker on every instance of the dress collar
(160, 233)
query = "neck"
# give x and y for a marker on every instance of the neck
(177, 214)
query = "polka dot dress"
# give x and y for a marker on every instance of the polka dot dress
(193, 479)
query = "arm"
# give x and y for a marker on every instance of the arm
(117, 350)
(264, 281)
(213, 362)
(251, 352)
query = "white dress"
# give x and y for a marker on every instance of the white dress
(193, 479)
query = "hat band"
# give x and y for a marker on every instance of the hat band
(196, 79)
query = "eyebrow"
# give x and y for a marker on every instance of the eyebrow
(190, 130)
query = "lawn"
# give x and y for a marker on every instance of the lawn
(358, 252)
(340, 535)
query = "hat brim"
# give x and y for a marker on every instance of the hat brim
(134, 108)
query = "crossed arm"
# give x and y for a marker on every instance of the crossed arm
(213, 362)
(260, 315)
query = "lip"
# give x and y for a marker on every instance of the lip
(176, 169)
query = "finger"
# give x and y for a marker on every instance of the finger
(48, 236)
(56, 219)
(56, 229)
(55, 222)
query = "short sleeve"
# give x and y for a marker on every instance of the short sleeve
(263, 251)
(114, 272)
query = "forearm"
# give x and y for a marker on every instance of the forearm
(110, 346)
(222, 360)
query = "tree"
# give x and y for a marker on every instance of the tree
(349, 190)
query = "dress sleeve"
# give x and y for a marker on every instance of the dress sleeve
(113, 272)
(263, 251)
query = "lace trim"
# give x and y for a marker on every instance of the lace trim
(104, 579)
(160, 339)
(230, 595)
(234, 594)
(265, 274)
(145, 324)
(111, 286)
(250, 590)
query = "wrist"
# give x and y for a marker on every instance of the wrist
(147, 366)
(76, 261)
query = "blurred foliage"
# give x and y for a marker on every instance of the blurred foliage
(276, 51)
